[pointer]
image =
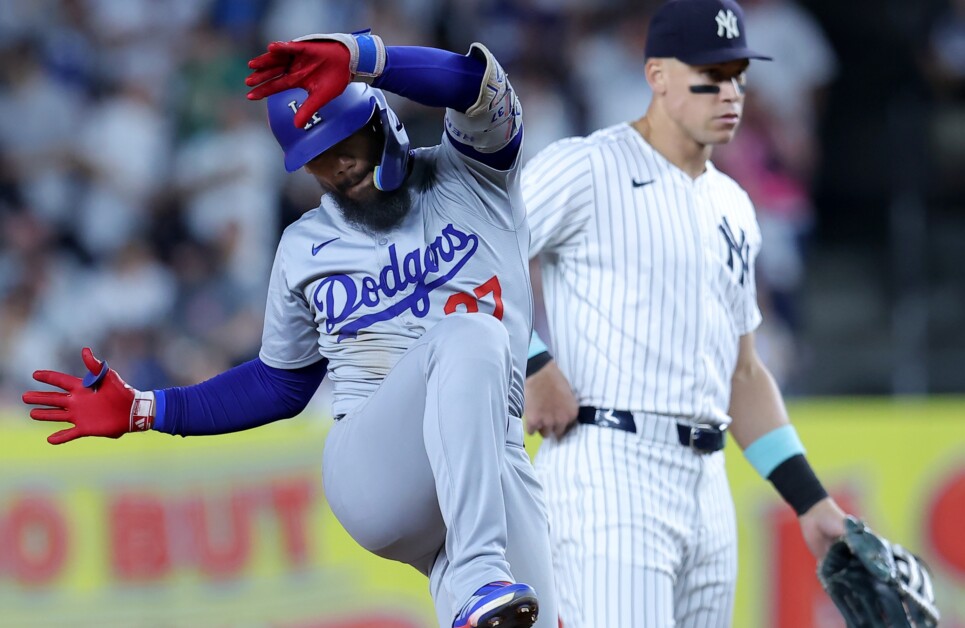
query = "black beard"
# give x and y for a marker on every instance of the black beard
(380, 214)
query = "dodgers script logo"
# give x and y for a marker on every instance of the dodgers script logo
(339, 296)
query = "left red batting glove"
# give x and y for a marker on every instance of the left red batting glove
(100, 404)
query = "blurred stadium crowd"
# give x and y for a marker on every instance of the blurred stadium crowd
(142, 196)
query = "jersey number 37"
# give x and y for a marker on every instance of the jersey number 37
(471, 303)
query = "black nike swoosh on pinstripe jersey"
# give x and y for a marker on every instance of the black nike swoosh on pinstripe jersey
(640, 184)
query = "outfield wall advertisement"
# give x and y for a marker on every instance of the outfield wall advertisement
(234, 530)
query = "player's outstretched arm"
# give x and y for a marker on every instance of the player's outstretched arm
(551, 407)
(484, 114)
(821, 526)
(324, 64)
(100, 404)
(762, 429)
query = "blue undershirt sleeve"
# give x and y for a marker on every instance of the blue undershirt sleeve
(440, 78)
(502, 159)
(246, 396)
(432, 77)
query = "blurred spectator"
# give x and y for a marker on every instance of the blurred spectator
(213, 70)
(793, 88)
(27, 341)
(69, 46)
(287, 19)
(785, 215)
(123, 152)
(210, 308)
(944, 65)
(947, 49)
(134, 291)
(139, 39)
(39, 116)
(229, 180)
(555, 118)
(24, 19)
(608, 63)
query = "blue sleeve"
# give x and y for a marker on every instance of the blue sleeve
(432, 77)
(241, 398)
(439, 78)
(502, 159)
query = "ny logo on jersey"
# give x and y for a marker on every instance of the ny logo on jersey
(727, 24)
(742, 249)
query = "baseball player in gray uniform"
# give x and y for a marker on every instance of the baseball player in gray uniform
(409, 286)
(648, 278)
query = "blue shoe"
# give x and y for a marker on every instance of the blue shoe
(499, 605)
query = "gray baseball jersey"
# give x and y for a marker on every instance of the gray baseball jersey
(361, 300)
(648, 278)
(426, 330)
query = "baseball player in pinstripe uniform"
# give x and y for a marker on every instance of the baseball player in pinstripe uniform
(409, 286)
(648, 278)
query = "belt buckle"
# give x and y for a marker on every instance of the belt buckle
(696, 431)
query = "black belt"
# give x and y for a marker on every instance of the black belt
(702, 438)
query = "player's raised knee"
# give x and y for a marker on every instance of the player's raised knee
(480, 328)
(474, 335)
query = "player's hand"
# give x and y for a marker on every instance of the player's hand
(551, 407)
(321, 68)
(98, 405)
(821, 526)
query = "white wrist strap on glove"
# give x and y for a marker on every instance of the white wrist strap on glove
(367, 52)
(142, 411)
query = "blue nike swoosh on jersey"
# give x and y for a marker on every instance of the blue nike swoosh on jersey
(640, 184)
(318, 247)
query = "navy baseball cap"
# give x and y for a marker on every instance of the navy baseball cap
(699, 32)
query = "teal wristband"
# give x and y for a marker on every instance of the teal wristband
(773, 448)
(536, 346)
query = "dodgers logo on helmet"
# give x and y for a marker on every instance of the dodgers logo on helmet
(337, 120)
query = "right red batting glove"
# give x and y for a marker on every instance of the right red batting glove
(323, 65)
(101, 404)
(318, 67)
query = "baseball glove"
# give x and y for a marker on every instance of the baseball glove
(877, 584)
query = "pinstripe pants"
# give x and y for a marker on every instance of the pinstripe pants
(643, 528)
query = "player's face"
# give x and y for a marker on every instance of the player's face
(348, 168)
(707, 100)
(347, 171)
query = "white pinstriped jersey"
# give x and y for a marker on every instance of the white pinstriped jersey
(656, 270)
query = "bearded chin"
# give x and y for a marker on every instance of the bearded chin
(379, 214)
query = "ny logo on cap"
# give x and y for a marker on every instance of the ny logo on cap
(727, 24)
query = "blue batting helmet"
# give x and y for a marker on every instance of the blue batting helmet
(337, 120)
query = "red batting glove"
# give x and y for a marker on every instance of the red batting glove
(99, 405)
(321, 68)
